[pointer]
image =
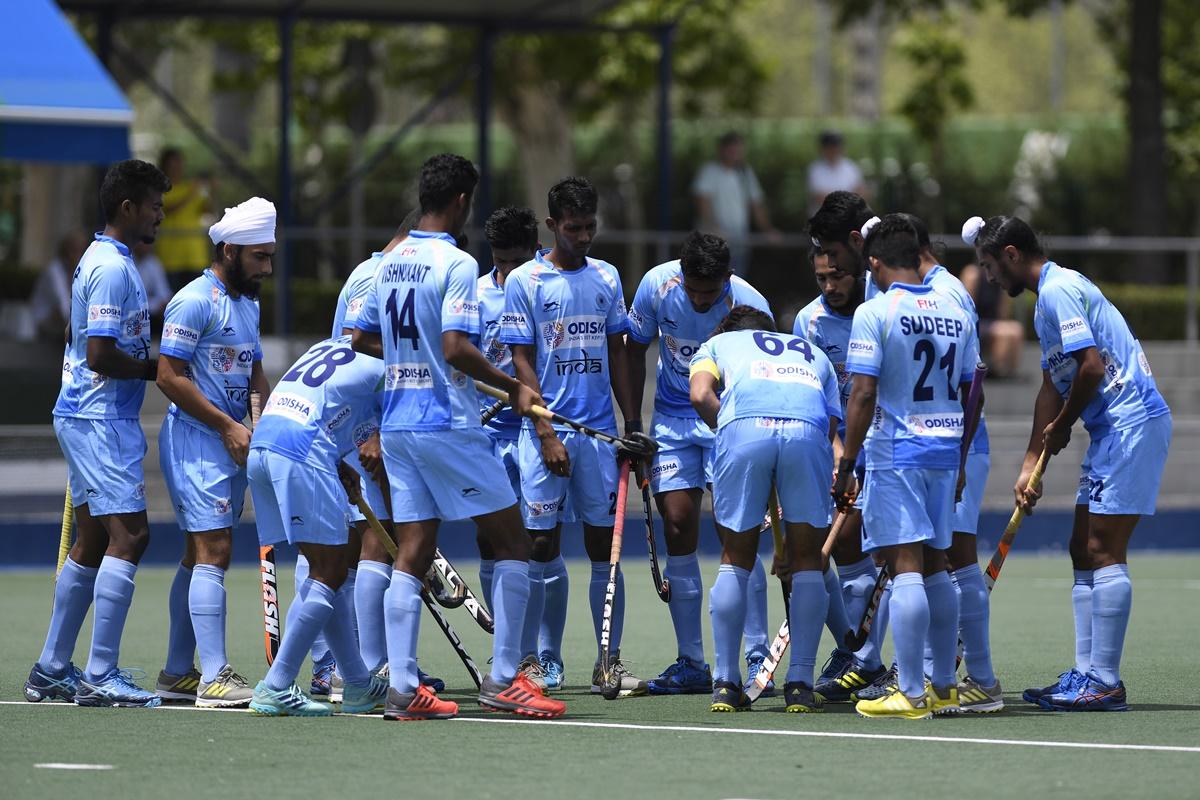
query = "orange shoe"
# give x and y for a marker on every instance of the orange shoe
(421, 704)
(519, 697)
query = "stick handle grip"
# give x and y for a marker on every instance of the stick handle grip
(831, 539)
(255, 408)
(64, 536)
(500, 394)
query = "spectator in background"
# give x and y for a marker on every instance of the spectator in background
(158, 289)
(50, 303)
(728, 196)
(832, 172)
(1001, 337)
(183, 245)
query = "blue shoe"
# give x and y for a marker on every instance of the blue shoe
(753, 665)
(1088, 694)
(840, 685)
(683, 677)
(289, 702)
(728, 696)
(322, 681)
(437, 684)
(555, 674)
(365, 699)
(116, 690)
(41, 685)
(1065, 683)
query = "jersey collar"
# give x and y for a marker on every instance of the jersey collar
(1049, 265)
(433, 235)
(929, 276)
(492, 277)
(830, 311)
(909, 287)
(212, 276)
(540, 257)
(121, 248)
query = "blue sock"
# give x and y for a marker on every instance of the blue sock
(871, 653)
(911, 608)
(486, 568)
(687, 587)
(73, 592)
(402, 610)
(858, 581)
(807, 604)
(320, 648)
(206, 601)
(835, 610)
(554, 615)
(510, 594)
(755, 632)
(973, 613)
(727, 603)
(373, 581)
(339, 632)
(181, 639)
(1081, 603)
(596, 590)
(113, 595)
(348, 585)
(942, 596)
(1112, 600)
(310, 611)
(534, 608)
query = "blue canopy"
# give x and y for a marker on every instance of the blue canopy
(57, 102)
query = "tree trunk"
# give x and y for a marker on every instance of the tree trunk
(232, 108)
(868, 43)
(1147, 143)
(541, 129)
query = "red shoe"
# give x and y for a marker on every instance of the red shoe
(421, 704)
(519, 697)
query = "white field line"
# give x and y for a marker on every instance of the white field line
(890, 737)
(59, 765)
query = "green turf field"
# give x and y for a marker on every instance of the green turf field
(671, 747)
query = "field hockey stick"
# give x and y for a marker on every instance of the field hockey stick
(64, 536)
(611, 682)
(461, 593)
(838, 522)
(266, 566)
(662, 586)
(779, 646)
(854, 640)
(491, 413)
(1014, 522)
(637, 446)
(455, 642)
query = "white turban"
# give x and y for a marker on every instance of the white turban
(251, 222)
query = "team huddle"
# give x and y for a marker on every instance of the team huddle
(859, 437)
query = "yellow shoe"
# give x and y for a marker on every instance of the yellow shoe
(897, 705)
(943, 706)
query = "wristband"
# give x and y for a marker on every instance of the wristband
(633, 426)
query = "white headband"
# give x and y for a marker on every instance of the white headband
(971, 229)
(865, 231)
(251, 222)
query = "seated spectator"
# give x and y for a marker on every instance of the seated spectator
(1001, 337)
(50, 303)
(832, 172)
(158, 290)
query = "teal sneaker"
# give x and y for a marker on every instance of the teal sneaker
(365, 699)
(42, 685)
(115, 690)
(554, 675)
(682, 677)
(289, 702)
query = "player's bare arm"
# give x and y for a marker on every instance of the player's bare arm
(367, 343)
(104, 357)
(173, 382)
(860, 409)
(464, 356)
(1083, 388)
(1045, 408)
(258, 381)
(554, 454)
(618, 376)
(703, 394)
(635, 356)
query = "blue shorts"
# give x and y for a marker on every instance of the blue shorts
(685, 453)
(506, 450)
(371, 493)
(966, 511)
(295, 502)
(591, 488)
(207, 488)
(104, 463)
(449, 474)
(753, 453)
(903, 506)
(1121, 471)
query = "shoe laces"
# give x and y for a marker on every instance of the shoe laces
(680, 665)
(887, 678)
(839, 660)
(126, 677)
(533, 668)
(234, 679)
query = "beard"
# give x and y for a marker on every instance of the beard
(240, 282)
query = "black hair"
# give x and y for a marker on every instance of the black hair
(924, 241)
(704, 256)
(443, 178)
(166, 155)
(731, 137)
(840, 214)
(574, 195)
(1002, 231)
(512, 227)
(895, 242)
(829, 138)
(813, 252)
(130, 180)
(219, 251)
(745, 318)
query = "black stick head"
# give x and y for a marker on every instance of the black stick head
(637, 446)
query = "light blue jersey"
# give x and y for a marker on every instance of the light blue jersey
(218, 336)
(107, 299)
(830, 332)
(661, 308)
(423, 288)
(354, 292)
(506, 424)
(944, 283)
(770, 375)
(1071, 314)
(921, 346)
(315, 411)
(569, 316)
(870, 288)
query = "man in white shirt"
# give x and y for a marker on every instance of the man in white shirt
(50, 301)
(728, 196)
(832, 172)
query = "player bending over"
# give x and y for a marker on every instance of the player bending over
(210, 361)
(910, 349)
(773, 400)
(419, 315)
(564, 318)
(106, 362)
(300, 487)
(680, 303)
(1092, 369)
